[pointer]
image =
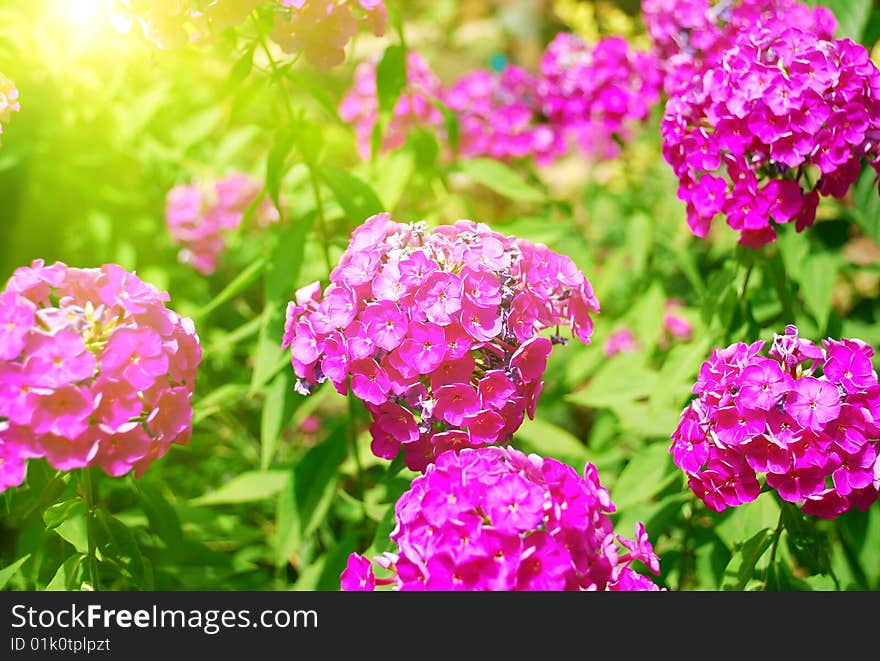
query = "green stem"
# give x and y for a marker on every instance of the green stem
(261, 38)
(88, 495)
(322, 219)
(777, 535)
(352, 439)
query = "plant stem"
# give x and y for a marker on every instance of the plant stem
(777, 535)
(352, 439)
(322, 219)
(88, 495)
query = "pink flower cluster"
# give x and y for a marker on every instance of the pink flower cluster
(437, 331)
(200, 215)
(807, 417)
(95, 370)
(414, 108)
(690, 36)
(586, 95)
(321, 29)
(593, 95)
(8, 100)
(499, 117)
(497, 519)
(780, 109)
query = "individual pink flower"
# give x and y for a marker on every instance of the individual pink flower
(497, 519)
(798, 416)
(620, 341)
(450, 346)
(200, 216)
(96, 370)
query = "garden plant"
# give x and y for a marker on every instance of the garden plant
(439, 295)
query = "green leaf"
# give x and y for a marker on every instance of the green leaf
(60, 512)
(390, 77)
(8, 572)
(68, 576)
(502, 179)
(743, 521)
(547, 439)
(306, 497)
(646, 475)
(622, 379)
(356, 197)
(275, 165)
(117, 544)
(741, 567)
(680, 368)
(161, 514)
(241, 282)
(279, 287)
(392, 176)
(241, 68)
(866, 207)
(248, 487)
(817, 286)
(73, 531)
(852, 17)
(277, 409)
(641, 240)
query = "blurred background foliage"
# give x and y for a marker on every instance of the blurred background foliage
(275, 490)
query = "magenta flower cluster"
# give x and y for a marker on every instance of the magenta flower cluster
(499, 117)
(584, 95)
(321, 29)
(594, 95)
(782, 118)
(690, 36)
(199, 216)
(437, 331)
(95, 370)
(805, 416)
(497, 519)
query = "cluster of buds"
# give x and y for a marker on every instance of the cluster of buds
(806, 416)
(437, 331)
(95, 370)
(498, 519)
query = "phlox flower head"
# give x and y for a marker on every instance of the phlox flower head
(199, 216)
(689, 36)
(783, 118)
(95, 370)
(414, 109)
(802, 418)
(500, 117)
(498, 519)
(438, 332)
(9, 102)
(595, 94)
(321, 29)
